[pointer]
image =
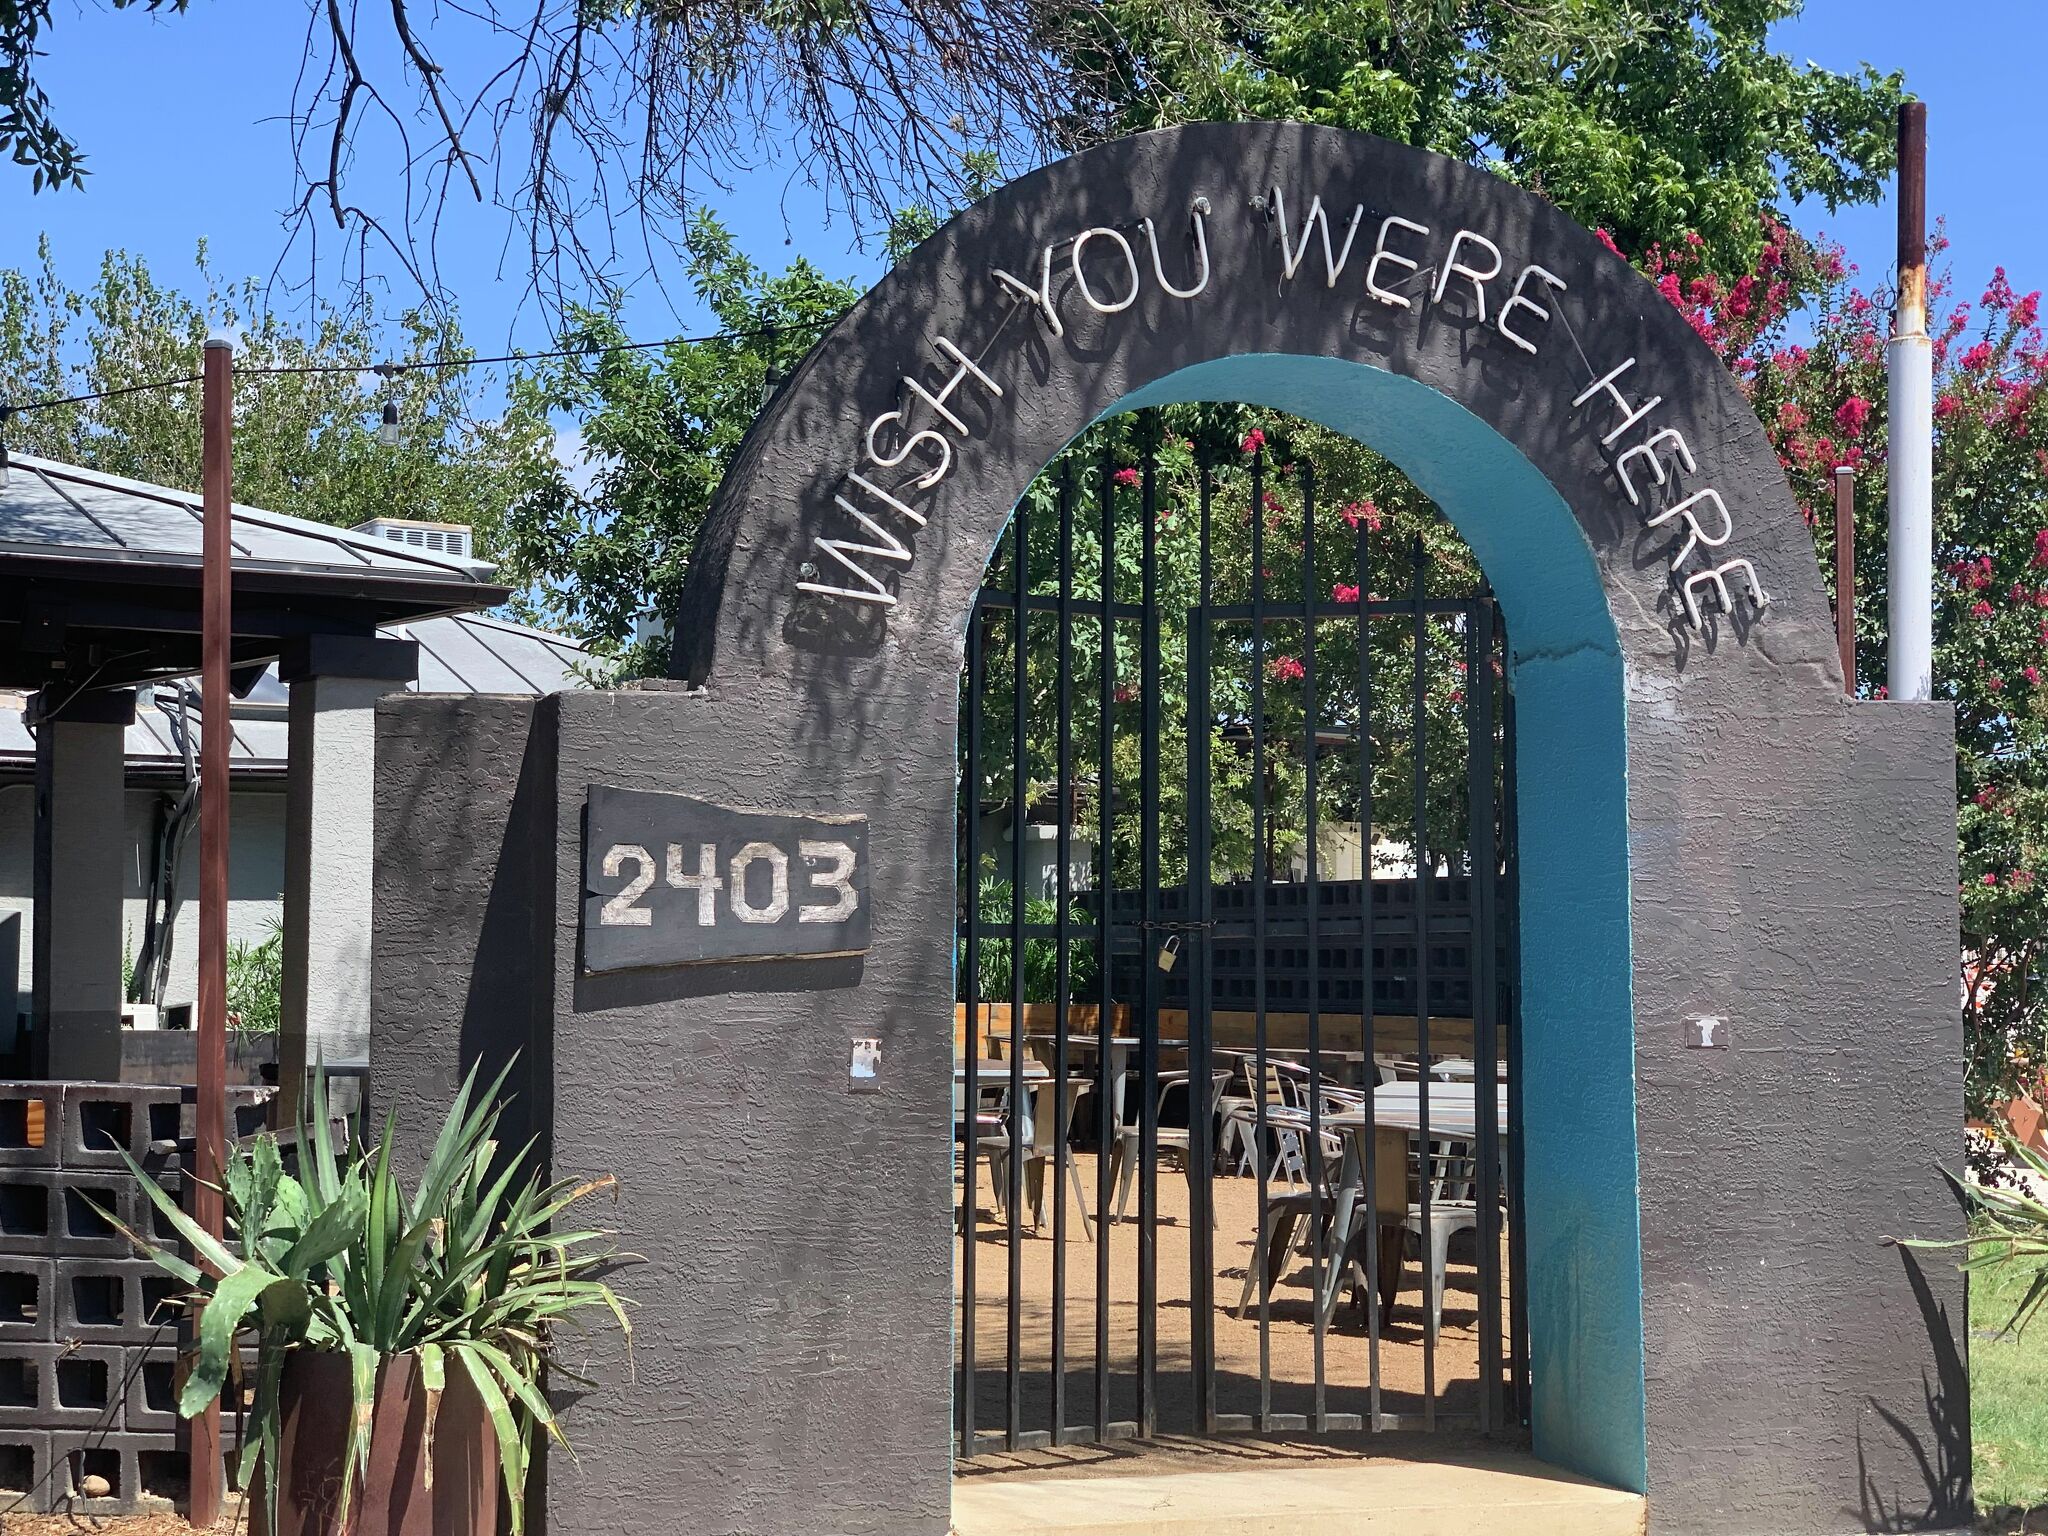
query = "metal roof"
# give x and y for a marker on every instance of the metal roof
(468, 653)
(101, 577)
(51, 508)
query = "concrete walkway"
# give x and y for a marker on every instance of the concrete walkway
(1252, 1489)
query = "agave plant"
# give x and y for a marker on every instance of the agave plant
(466, 1271)
(2009, 1225)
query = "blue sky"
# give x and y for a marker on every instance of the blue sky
(182, 120)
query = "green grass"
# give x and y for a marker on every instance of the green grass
(2008, 1395)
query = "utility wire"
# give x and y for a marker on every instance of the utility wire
(392, 370)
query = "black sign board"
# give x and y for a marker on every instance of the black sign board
(672, 880)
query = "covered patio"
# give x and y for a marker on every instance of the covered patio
(106, 573)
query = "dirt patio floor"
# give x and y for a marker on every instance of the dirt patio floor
(1289, 1338)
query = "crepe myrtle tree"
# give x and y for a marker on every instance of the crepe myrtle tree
(1817, 380)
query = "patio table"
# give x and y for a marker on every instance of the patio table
(1396, 1119)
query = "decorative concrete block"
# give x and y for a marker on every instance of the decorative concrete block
(30, 1117)
(117, 1301)
(152, 1405)
(25, 1468)
(62, 1386)
(28, 1298)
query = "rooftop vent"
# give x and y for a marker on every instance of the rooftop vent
(434, 538)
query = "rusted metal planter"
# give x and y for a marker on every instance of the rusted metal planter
(394, 1500)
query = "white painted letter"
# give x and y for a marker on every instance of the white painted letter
(1515, 298)
(938, 402)
(888, 547)
(1633, 414)
(777, 904)
(705, 882)
(1380, 253)
(1042, 295)
(1718, 579)
(1648, 449)
(1316, 222)
(1081, 281)
(880, 460)
(838, 878)
(1201, 245)
(1453, 267)
(1695, 534)
(620, 912)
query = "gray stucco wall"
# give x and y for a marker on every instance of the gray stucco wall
(460, 952)
(1790, 867)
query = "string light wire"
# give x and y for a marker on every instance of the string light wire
(389, 370)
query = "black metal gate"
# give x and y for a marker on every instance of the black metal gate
(1154, 962)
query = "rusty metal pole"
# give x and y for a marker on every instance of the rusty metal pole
(1909, 375)
(216, 632)
(1845, 573)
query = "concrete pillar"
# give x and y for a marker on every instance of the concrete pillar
(335, 682)
(81, 867)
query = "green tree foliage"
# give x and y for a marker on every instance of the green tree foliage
(596, 544)
(1649, 118)
(1312, 529)
(305, 442)
(29, 135)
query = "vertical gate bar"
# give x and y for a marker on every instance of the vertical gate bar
(1201, 1153)
(1108, 1112)
(1023, 1117)
(1148, 969)
(1368, 1019)
(1325, 1252)
(970, 1096)
(1258, 893)
(1482, 863)
(1062, 969)
(1518, 1309)
(1425, 1166)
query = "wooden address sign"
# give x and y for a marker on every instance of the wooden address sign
(672, 880)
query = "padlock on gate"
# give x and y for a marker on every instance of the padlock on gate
(1169, 952)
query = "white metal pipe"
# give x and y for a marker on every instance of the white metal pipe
(1909, 373)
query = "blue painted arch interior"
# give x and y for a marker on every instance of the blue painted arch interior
(1580, 1214)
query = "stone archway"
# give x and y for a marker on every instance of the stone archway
(1741, 1038)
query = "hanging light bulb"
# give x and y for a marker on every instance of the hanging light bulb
(387, 429)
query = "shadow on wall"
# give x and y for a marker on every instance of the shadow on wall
(1944, 1503)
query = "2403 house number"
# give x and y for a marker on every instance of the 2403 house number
(670, 879)
(829, 871)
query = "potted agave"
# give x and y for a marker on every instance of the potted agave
(400, 1333)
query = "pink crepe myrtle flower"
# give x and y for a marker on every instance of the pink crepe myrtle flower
(1851, 414)
(1341, 593)
(2032, 675)
(1254, 440)
(1126, 476)
(1288, 669)
(1978, 356)
(1980, 609)
(1989, 878)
